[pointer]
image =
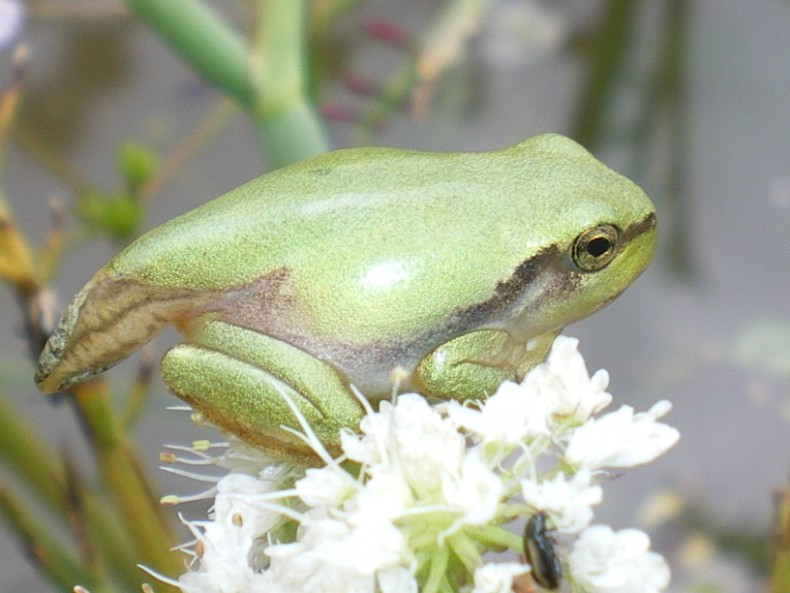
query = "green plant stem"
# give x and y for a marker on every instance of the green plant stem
(606, 65)
(436, 570)
(18, 445)
(498, 538)
(123, 477)
(673, 84)
(290, 135)
(780, 571)
(60, 568)
(269, 82)
(278, 56)
(45, 477)
(287, 122)
(203, 40)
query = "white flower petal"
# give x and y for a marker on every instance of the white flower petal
(568, 501)
(563, 381)
(475, 494)
(334, 555)
(427, 445)
(397, 580)
(362, 449)
(324, 486)
(497, 577)
(507, 417)
(386, 493)
(227, 540)
(603, 561)
(621, 439)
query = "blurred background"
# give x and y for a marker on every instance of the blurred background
(691, 99)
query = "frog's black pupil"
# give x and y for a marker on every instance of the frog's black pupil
(597, 247)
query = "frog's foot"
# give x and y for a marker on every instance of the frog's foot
(239, 379)
(535, 352)
(474, 365)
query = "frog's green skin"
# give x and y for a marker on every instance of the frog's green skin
(457, 269)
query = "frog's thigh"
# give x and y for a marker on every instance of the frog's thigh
(236, 379)
(470, 366)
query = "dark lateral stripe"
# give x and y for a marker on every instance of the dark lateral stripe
(509, 291)
(527, 272)
(640, 227)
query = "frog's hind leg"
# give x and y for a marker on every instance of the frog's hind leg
(238, 379)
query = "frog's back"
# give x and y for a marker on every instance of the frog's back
(377, 205)
(368, 199)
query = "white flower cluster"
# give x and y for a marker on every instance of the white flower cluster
(424, 492)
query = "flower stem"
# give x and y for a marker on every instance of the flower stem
(288, 124)
(267, 81)
(60, 568)
(203, 40)
(497, 538)
(437, 570)
(123, 477)
(780, 574)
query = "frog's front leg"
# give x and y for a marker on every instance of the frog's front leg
(236, 379)
(474, 365)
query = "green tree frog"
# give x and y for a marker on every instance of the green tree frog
(456, 269)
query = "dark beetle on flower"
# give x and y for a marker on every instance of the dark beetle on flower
(539, 551)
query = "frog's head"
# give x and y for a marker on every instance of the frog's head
(599, 233)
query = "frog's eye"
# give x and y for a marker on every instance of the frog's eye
(596, 247)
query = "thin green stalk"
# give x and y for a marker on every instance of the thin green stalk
(780, 572)
(437, 565)
(606, 66)
(125, 481)
(673, 93)
(465, 551)
(61, 569)
(195, 140)
(111, 543)
(496, 538)
(289, 126)
(198, 35)
(278, 56)
(389, 101)
(269, 82)
(49, 159)
(45, 477)
(290, 135)
(18, 445)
